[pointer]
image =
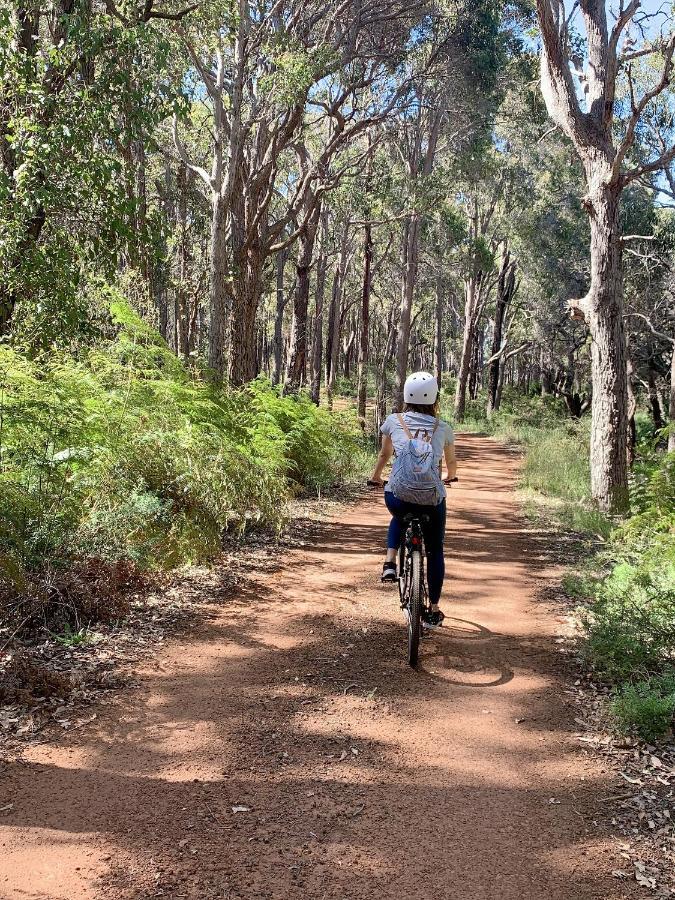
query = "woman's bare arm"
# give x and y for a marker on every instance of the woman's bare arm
(385, 454)
(450, 461)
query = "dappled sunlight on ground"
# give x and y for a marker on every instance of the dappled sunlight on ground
(288, 751)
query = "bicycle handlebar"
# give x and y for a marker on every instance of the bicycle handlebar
(378, 484)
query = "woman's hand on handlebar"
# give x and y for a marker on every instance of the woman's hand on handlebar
(376, 482)
(450, 480)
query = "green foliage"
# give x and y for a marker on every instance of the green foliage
(74, 637)
(631, 621)
(646, 708)
(120, 453)
(78, 91)
(630, 614)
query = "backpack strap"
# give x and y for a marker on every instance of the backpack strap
(408, 432)
(438, 422)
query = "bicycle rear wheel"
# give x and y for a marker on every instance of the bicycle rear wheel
(415, 601)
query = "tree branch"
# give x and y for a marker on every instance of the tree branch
(182, 152)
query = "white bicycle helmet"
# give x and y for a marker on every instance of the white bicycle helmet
(420, 387)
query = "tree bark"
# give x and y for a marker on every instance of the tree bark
(183, 319)
(335, 317)
(411, 261)
(282, 256)
(505, 291)
(246, 292)
(631, 436)
(474, 367)
(297, 356)
(219, 298)
(472, 289)
(654, 401)
(317, 338)
(365, 324)
(604, 304)
(438, 331)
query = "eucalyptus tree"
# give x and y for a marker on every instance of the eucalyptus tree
(70, 69)
(601, 119)
(260, 70)
(417, 144)
(351, 108)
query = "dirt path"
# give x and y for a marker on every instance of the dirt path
(360, 778)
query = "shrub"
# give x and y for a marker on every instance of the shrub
(646, 708)
(26, 678)
(119, 453)
(630, 621)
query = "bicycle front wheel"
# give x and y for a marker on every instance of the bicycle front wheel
(415, 607)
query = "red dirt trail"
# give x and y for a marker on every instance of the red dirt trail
(361, 778)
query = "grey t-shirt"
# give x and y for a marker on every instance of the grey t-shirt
(422, 423)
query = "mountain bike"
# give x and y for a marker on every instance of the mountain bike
(412, 586)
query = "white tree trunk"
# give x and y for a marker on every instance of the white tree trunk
(218, 292)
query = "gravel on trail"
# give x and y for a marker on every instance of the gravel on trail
(284, 749)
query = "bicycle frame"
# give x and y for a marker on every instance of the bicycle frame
(412, 584)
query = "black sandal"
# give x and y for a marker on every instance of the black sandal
(388, 573)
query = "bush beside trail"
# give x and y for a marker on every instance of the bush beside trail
(116, 460)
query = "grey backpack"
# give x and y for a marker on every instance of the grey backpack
(414, 477)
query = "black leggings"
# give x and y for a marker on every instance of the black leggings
(434, 532)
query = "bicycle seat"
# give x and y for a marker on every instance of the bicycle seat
(413, 517)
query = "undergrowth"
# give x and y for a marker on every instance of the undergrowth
(117, 456)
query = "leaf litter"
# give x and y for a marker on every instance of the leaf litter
(59, 679)
(643, 811)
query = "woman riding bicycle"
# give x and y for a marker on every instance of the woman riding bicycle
(419, 422)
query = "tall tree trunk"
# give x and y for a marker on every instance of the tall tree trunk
(348, 348)
(654, 401)
(411, 260)
(184, 180)
(317, 339)
(505, 291)
(438, 333)
(335, 317)
(365, 323)
(474, 368)
(219, 299)
(282, 256)
(546, 374)
(472, 288)
(297, 356)
(382, 387)
(246, 293)
(604, 304)
(631, 437)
